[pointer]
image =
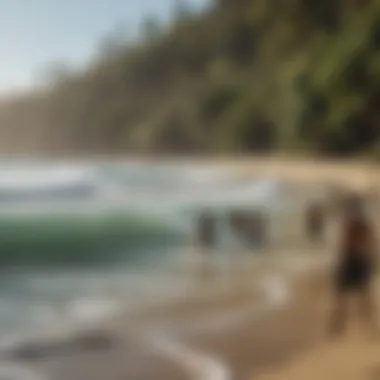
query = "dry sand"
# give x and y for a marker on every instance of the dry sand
(302, 171)
(350, 360)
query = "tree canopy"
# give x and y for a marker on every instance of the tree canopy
(252, 76)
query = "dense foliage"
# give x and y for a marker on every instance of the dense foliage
(243, 76)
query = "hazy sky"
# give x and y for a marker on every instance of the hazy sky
(36, 32)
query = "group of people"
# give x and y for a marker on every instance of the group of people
(214, 232)
(250, 226)
(355, 257)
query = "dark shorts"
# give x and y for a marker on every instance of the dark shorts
(353, 274)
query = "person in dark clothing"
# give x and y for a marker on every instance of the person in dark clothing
(206, 239)
(206, 233)
(250, 226)
(315, 221)
(355, 266)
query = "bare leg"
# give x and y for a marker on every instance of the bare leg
(367, 310)
(338, 316)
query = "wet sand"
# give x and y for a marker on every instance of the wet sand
(128, 359)
(274, 335)
(224, 338)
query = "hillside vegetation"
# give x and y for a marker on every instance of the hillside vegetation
(244, 76)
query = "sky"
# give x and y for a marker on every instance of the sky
(34, 33)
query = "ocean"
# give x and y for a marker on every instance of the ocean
(80, 241)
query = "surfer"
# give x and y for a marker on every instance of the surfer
(355, 266)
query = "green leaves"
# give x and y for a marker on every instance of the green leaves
(246, 75)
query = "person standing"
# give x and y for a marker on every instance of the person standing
(315, 221)
(251, 227)
(206, 236)
(355, 267)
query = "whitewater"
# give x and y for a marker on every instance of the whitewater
(80, 241)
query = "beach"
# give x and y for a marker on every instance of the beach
(265, 320)
(353, 360)
(231, 337)
(301, 171)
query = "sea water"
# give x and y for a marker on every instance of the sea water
(80, 241)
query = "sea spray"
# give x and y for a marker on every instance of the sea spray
(136, 223)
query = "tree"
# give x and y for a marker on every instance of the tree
(181, 11)
(150, 29)
(55, 73)
(113, 43)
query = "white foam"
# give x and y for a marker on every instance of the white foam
(204, 366)
(13, 371)
(92, 309)
(37, 179)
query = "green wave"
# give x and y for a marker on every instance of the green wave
(66, 240)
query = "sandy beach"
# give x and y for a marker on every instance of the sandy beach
(357, 174)
(229, 336)
(268, 324)
(212, 337)
(353, 359)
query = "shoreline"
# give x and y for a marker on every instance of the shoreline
(289, 168)
(205, 342)
(206, 366)
(188, 357)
